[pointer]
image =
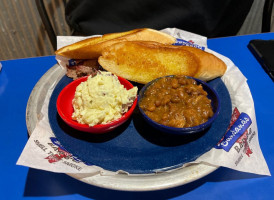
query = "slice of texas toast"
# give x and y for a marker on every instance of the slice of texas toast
(91, 48)
(143, 61)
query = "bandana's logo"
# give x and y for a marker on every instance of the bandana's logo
(59, 156)
(61, 153)
(181, 42)
(237, 132)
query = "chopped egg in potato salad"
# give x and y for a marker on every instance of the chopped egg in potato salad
(101, 99)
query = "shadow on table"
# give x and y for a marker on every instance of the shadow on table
(42, 183)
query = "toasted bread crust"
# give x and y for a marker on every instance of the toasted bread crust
(92, 48)
(210, 66)
(143, 61)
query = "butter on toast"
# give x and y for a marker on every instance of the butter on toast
(143, 61)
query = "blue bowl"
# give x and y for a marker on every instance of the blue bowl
(215, 103)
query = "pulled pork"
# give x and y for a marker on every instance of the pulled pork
(83, 68)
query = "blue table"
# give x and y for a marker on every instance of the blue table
(17, 79)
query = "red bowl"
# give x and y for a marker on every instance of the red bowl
(65, 109)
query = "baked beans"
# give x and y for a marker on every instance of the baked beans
(176, 101)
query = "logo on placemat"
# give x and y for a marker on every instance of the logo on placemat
(60, 151)
(57, 153)
(181, 42)
(238, 133)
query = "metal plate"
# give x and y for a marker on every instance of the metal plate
(140, 182)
